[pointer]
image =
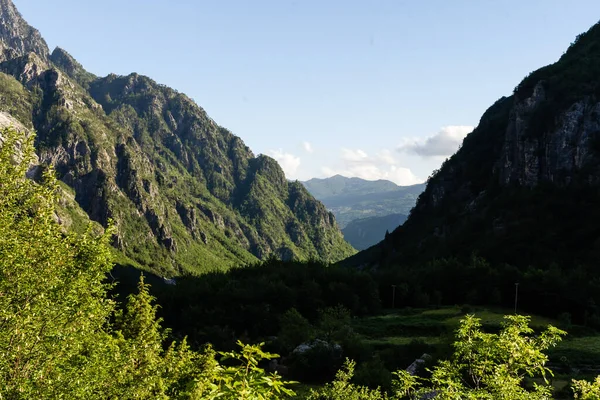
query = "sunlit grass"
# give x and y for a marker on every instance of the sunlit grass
(404, 340)
(495, 318)
(402, 326)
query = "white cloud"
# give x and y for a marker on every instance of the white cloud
(354, 156)
(387, 157)
(308, 147)
(288, 162)
(357, 163)
(444, 143)
(403, 175)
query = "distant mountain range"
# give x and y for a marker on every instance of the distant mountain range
(365, 209)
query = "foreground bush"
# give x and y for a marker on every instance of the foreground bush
(61, 336)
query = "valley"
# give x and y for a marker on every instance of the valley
(147, 252)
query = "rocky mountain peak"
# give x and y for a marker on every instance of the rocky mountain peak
(63, 60)
(18, 35)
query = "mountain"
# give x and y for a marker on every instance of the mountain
(184, 193)
(18, 38)
(354, 198)
(524, 188)
(338, 185)
(366, 232)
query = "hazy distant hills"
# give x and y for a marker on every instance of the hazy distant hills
(366, 232)
(354, 198)
(356, 202)
(341, 186)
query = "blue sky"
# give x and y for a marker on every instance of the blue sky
(375, 89)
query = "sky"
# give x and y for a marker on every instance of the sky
(382, 89)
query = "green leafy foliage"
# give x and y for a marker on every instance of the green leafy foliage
(53, 305)
(342, 388)
(247, 381)
(57, 338)
(489, 365)
(509, 364)
(587, 390)
(56, 335)
(334, 322)
(295, 330)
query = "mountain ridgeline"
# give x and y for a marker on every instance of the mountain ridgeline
(524, 187)
(184, 193)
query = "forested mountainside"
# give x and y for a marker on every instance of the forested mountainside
(185, 194)
(524, 187)
(355, 198)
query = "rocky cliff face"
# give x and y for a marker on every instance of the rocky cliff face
(184, 193)
(556, 156)
(19, 38)
(523, 186)
(63, 60)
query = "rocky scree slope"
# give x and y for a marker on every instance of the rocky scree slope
(185, 194)
(524, 188)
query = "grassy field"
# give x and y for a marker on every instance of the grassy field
(435, 328)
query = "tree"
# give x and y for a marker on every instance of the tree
(488, 366)
(587, 390)
(53, 302)
(56, 340)
(342, 389)
(145, 369)
(246, 380)
(295, 329)
(334, 323)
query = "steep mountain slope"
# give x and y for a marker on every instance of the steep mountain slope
(366, 232)
(17, 37)
(524, 187)
(184, 193)
(354, 198)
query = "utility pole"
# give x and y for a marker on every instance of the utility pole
(516, 295)
(393, 296)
